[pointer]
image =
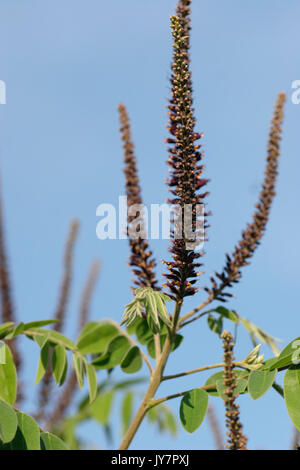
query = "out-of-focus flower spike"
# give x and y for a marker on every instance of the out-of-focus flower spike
(60, 313)
(7, 305)
(141, 259)
(67, 277)
(66, 396)
(252, 235)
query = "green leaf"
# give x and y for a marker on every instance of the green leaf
(240, 387)
(92, 380)
(69, 432)
(170, 422)
(260, 381)
(143, 332)
(162, 309)
(254, 330)
(193, 408)
(290, 355)
(28, 434)
(292, 394)
(229, 314)
(292, 347)
(131, 329)
(154, 304)
(165, 297)
(15, 331)
(95, 338)
(51, 442)
(57, 338)
(140, 292)
(59, 363)
(41, 340)
(152, 314)
(122, 386)
(127, 409)
(4, 327)
(114, 354)
(87, 328)
(79, 370)
(212, 381)
(153, 413)
(162, 416)
(100, 408)
(132, 362)
(54, 337)
(63, 378)
(2, 352)
(152, 325)
(216, 325)
(38, 324)
(8, 377)
(279, 362)
(133, 310)
(128, 383)
(43, 363)
(8, 422)
(261, 335)
(268, 365)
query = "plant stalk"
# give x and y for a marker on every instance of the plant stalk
(155, 382)
(193, 312)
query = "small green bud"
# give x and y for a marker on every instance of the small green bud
(252, 356)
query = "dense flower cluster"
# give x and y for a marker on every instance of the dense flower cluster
(186, 170)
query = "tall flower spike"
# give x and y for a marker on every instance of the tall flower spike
(186, 172)
(236, 439)
(141, 259)
(255, 230)
(60, 313)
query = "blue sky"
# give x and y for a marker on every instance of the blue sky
(67, 64)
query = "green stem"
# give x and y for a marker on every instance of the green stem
(278, 389)
(201, 369)
(182, 324)
(158, 401)
(196, 310)
(193, 371)
(157, 346)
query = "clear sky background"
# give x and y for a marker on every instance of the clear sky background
(67, 64)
